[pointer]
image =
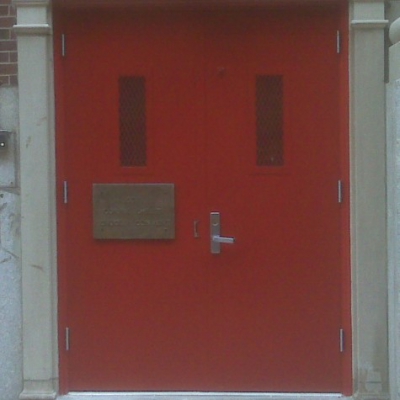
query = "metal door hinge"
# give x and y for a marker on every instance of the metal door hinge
(340, 191)
(63, 45)
(67, 339)
(196, 233)
(65, 192)
(338, 42)
(341, 340)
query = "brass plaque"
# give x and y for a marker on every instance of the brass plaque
(134, 211)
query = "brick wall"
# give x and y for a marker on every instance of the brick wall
(8, 44)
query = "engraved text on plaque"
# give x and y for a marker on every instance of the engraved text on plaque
(134, 211)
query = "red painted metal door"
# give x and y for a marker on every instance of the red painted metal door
(240, 111)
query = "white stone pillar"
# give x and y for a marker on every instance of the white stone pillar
(368, 199)
(38, 231)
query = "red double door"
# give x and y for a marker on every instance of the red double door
(239, 111)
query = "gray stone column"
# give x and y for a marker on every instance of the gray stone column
(38, 228)
(368, 199)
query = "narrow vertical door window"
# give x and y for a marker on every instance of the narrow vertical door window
(269, 120)
(132, 121)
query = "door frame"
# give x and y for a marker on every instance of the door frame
(40, 191)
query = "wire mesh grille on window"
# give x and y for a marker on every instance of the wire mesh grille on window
(269, 113)
(132, 121)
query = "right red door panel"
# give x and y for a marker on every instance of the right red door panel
(239, 109)
(274, 181)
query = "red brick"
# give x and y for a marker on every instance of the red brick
(5, 34)
(4, 57)
(4, 10)
(4, 80)
(8, 45)
(13, 56)
(13, 80)
(7, 22)
(8, 69)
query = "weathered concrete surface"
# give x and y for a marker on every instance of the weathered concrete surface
(10, 270)
(10, 299)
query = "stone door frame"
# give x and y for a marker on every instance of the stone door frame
(368, 205)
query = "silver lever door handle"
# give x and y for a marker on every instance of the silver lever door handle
(215, 238)
(222, 239)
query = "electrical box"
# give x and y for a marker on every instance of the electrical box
(8, 174)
